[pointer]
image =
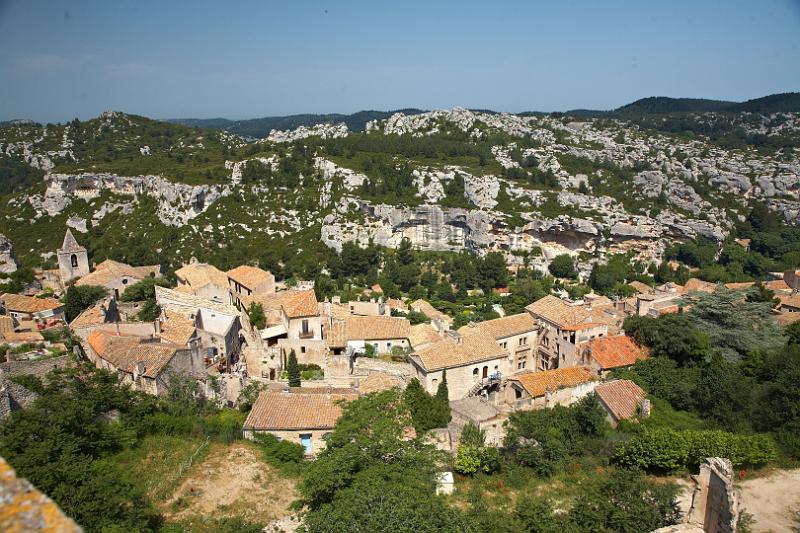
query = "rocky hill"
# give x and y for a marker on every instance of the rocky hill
(530, 186)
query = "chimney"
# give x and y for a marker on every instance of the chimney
(157, 326)
(138, 370)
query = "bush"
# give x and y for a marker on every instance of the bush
(279, 452)
(667, 449)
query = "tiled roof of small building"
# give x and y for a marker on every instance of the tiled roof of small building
(201, 274)
(538, 383)
(500, 328)
(379, 382)
(621, 397)
(557, 311)
(295, 304)
(250, 276)
(177, 329)
(641, 288)
(613, 352)
(295, 411)
(372, 328)
(28, 304)
(791, 300)
(108, 271)
(422, 334)
(124, 352)
(694, 284)
(448, 353)
(430, 311)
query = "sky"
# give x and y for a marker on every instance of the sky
(60, 60)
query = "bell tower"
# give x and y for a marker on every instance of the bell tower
(73, 260)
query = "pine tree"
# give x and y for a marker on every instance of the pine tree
(293, 370)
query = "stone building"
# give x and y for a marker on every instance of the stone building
(73, 259)
(246, 280)
(604, 354)
(23, 308)
(383, 333)
(562, 327)
(116, 276)
(204, 281)
(142, 363)
(301, 415)
(622, 399)
(474, 363)
(547, 388)
(517, 334)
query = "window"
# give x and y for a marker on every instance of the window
(485, 372)
(521, 364)
(124, 281)
(474, 374)
(505, 345)
(434, 383)
(523, 341)
(74, 261)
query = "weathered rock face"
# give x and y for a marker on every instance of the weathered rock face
(178, 202)
(7, 263)
(326, 131)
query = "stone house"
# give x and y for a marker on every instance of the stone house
(301, 415)
(517, 334)
(441, 321)
(14, 396)
(480, 412)
(474, 364)
(23, 308)
(246, 280)
(622, 399)
(205, 281)
(218, 325)
(117, 277)
(561, 386)
(354, 333)
(607, 353)
(141, 362)
(372, 307)
(562, 328)
(790, 303)
(73, 259)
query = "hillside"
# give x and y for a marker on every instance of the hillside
(663, 104)
(529, 187)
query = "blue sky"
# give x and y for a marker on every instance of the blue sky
(59, 60)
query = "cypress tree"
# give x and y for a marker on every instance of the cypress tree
(293, 370)
(442, 394)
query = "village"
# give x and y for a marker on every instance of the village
(242, 329)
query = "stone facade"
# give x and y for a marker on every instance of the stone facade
(73, 259)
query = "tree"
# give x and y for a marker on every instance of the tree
(625, 501)
(143, 290)
(293, 370)
(442, 393)
(735, 327)
(427, 412)
(256, 315)
(672, 335)
(81, 297)
(563, 266)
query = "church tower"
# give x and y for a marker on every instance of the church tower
(73, 261)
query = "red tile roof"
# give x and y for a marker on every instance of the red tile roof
(539, 383)
(295, 410)
(621, 398)
(613, 352)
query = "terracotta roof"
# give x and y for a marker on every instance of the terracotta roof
(558, 311)
(295, 410)
(613, 352)
(124, 352)
(641, 288)
(336, 334)
(447, 353)
(422, 334)
(108, 271)
(430, 311)
(6, 323)
(500, 328)
(294, 303)
(20, 337)
(377, 328)
(394, 303)
(379, 382)
(620, 397)
(583, 325)
(742, 285)
(790, 300)
(539, 383)
(777, 285)
(377, 289)
(28, 304)
(70, 244)
(250, 276)
(695, 284)
(188, 303)
(201, 274)
(177, 329)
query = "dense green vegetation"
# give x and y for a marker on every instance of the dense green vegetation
(16, 175)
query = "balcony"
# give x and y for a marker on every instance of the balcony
(306, 335)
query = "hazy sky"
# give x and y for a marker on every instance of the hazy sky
(59, 60)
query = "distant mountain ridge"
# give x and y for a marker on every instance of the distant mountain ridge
(653, 105)
(260, 127)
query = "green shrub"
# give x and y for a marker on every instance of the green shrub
(279, 452)
(666, 449)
